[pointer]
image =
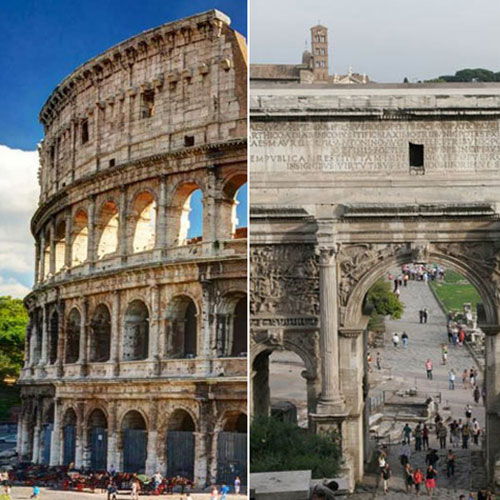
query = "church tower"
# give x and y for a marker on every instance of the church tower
(319, 44)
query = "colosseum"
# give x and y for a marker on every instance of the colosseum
(137, 339)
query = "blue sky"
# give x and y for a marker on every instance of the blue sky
(42, 42)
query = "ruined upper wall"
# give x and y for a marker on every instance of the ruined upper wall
(181, 85)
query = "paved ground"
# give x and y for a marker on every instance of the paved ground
(25, 493)
(406, 368)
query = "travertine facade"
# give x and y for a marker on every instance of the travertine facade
(348, 182)
(136, 346)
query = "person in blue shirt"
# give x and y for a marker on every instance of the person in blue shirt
(224, 490)
(36, 492)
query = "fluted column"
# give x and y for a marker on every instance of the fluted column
(79, 435)
(67, 237)
(161, 215)
(92, 244)
(45, 337)
(122, 224)
(41, 272)
(154, 330)
(52, 260)
(331, 399)
(38, 259)
(82, 354)
(115, 334)
(56, 439)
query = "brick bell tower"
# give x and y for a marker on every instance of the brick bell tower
(319, 45)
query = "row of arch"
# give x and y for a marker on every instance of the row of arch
(181, 338)
(68, 243)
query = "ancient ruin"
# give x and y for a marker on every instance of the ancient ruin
(349, 182)
(136, 345)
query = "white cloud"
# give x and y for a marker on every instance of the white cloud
(18, 201)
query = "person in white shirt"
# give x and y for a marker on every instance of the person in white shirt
(237, 485)
(395, 339)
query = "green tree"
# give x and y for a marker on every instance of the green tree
(13, 322)
(472, 75)
(383, 301)
(282, 446)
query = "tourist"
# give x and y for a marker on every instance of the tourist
(454, 433)
(395, 339)
(418, 438)
(379, 361)
(430, 480)
(112, 490)
(461, 337)
(452, 379)
(432, 458)
(397, 292)
(224, 490)
(135, 490)
(450, 463)
(476, 394)
(407, 433)
(36, 491)
(381, 463)
(442, 433)
(444, 354)
(425, 315)
(369, 361)
(468, 411)
(408, 472)
(483, 395)
(214, 493)
(465, 437)
(418, 479)
(421, 316)
(472, 378)
(237, 485)
(437, 419)
(471, 496)
(157, 479)
(455, 339)
(386, 474)
(476, 430)
(465, 378)
(425, 437)
(404, 338)
(188, 496)
(428, 368)
(405, 453)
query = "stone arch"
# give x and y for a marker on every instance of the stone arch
(100, 334)
(142, 221)
(180, 444)
(97, 439)
(352, 297)
(70, 420)
(136, 331)
(232, 332)
(60, 246)
(107, 229)
(135, 441)
(182, 327)
(228, 211)
(180, 214)
(53, 336)
(46, 253)
(73, 325)
(79, 247)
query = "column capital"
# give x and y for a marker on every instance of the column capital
(327, 254)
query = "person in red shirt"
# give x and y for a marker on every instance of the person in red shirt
(418, 479)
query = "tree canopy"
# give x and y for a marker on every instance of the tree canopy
(472, 75)
(383, 301)
(13, 322)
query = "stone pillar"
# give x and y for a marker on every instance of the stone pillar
(112, 458)
(27, 340)
(92, 243)
(79, 435)
(52, 261)
(331, 400)
(213, 439)
(61, 338)
(57, 438)
(207, 323)
(260, 396)
(154, 328)
(122, 225)
(152, 459)
(115, 334)
(36, 433)
(84, 326)
(209, 216)
(41, 273)
(38, 278)
(161, 215)
(45, 336)
(68, 235)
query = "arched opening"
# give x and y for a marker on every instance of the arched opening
(136, 332)
(98, 440)
(53, 337)
(232, 449)
(73, 336)
(46, 255)
(37, 333)
(232, 326)
(180, 445)
(60, 246)
(46, 436)
(100, 338)
(135, 442)
(69, 436)
(182, 328)
(108, 228)
(239, 214)
(79, 248)
(279, 388)
(143, 220)
(191, 215)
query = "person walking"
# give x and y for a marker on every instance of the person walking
(468, 411)
(418, 479)
(476, 394)
(450, 463)
(379, 361)
(430, 480)
(465, 436)
(418, 438)
(428, 368)
(472, 378)
(452, 379)
(425, 437)
(444, 354)
(442, 433)
(405, 453)
(214, 493)
(36, 491)
(425, 315)
(395, 339)
(432, 458)
(386, 475)
(237, 485)
(465, 378)
(369, 361)
(407, 433)
(421, 316)
(224, 490)
(135, 490)
(404, 338)
(453, 433)
(408, 472)
(476, 430)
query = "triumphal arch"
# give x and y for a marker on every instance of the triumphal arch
(347, 182)
(136, 344)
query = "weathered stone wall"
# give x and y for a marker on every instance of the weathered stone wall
(128, 315)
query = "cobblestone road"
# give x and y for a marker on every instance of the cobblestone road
(405, 368)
